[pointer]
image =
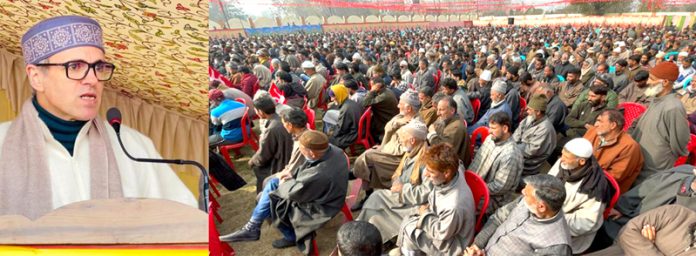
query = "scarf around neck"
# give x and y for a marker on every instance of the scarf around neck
(24, 166)
(593, 183)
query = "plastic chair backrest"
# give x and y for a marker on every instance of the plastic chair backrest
(364, 125)
(479, 191)
(615, 197)
(246, 123)
(631, 112)
(476, 105)
(691, 147)
(480, 131)
(523, 107)
(310, 117)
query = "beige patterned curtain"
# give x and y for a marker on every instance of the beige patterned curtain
(174, 135)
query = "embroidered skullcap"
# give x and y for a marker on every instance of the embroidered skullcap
(410, 97)
(57, 34)
(499, 86)
(417, 129)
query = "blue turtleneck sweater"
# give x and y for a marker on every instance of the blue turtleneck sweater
(63, 131)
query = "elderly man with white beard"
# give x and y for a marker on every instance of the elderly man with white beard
(535, 136)
(662, 131)
(588, 192)
(386, 208)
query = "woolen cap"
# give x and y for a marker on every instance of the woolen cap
(314, 140)
(666, 70)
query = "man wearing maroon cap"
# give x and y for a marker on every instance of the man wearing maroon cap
(662, 131)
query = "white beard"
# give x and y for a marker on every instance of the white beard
(531, 209)
(530, 119)
(654, 90)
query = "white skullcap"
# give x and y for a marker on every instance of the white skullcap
(621, 43)
(403, 62)
(683, 54)
(421, 50)
(579, 147)
(417, 129)
(356, 56)
(499, 86)
(540, 51)
(307, 64)
(486, 75)
(617, 50)
(346, 61)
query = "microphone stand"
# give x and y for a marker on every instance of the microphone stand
(204, 173)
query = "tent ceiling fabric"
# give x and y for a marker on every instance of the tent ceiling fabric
(160, 47)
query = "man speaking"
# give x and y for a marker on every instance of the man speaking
(58, 150)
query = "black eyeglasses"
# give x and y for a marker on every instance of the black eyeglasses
(78, 69)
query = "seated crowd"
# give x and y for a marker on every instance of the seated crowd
(557, 138)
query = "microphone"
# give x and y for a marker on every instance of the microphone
(114, 117)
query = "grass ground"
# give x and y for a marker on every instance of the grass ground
(236, 208)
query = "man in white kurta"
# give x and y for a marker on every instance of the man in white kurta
(70, 175)
(58, 150)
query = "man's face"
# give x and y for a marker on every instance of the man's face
(537, 65)
(601, 58)
(444, 111)
(602, 125)
(547, 72)
(595, 99)
(422, 66)
(644, 59)
(497, 96)
(422, 97)
(601, 70)
(287, 126)
(686, 63)
(530, 200)
(63, 97)
(619, 68)
(437, 177)
(404, 108)
(572, 78)
(564, 58)
(496, 131)
(569, 161)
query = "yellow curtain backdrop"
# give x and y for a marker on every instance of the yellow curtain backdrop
(174, 135)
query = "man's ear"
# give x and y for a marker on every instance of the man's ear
(35, 78)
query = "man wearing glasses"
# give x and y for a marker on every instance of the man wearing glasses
(58, 150)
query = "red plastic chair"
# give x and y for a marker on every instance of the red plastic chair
(479, 191)
(691, 147)
(476, 104)
(248, 135)
(321, 104)
(523, 107)
(216, 247)
(631, 112)
(436, 78)
(615, 197)
(481, 131)
(310, 116)
(364, 136)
